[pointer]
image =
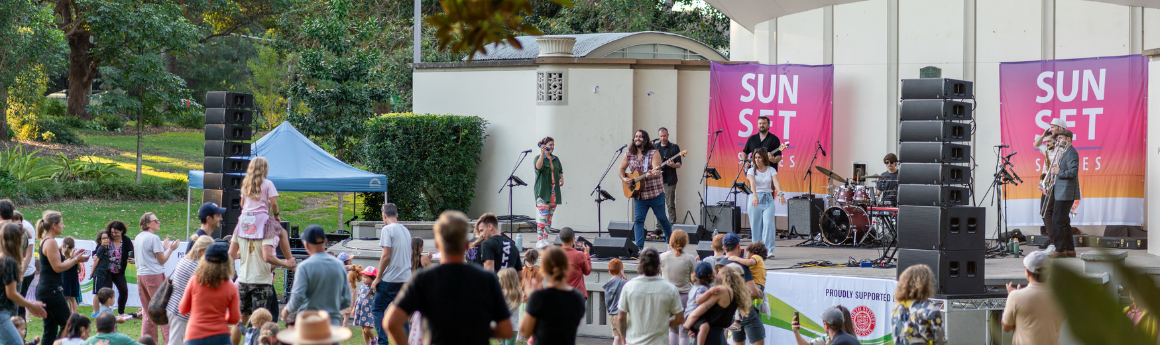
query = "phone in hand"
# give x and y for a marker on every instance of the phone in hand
(795, 319)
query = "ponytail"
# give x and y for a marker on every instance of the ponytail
(47, 220)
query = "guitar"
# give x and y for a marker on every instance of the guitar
(634, 188)
(783, 146)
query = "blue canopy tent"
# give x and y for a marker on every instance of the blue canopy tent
(298, 165)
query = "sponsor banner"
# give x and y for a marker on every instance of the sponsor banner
(869, 300)
(1102, 101)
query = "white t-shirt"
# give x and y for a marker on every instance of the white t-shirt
(262, 206)
(649, 302)
(763, 180)
(31, 270)
(146, 246)
(398, 238)
(254, 270)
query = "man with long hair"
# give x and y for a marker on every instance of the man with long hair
(642, 157)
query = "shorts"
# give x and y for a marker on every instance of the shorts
(750, 326)
(616, 331)
(254, 296)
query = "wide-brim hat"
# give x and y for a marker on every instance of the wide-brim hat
(313, 327)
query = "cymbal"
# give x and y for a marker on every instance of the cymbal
(875, 176)
(830, 174)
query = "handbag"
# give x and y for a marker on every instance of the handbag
(159, 303)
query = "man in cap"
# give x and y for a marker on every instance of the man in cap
(210, 215)
(833, 321)
(1045, 143)
(751, 326)
(1031, 311)
(315, 280)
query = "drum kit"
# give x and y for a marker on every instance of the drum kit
(857, 215)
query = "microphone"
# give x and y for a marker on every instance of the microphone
(821, 148)
(622, 147)
(1003, 146)
(1012, 154)
(719, 131)
(526, 151)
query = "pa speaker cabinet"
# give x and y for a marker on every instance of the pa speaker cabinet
(226, 99)
(697, 233)
(937, 88)
(226, 228)
(934, 110)
(942, 228)
(227, 116)
(937, 131)
(230, 199)
(957, 271)
(721, 219)
(223, 165)
(228, 132)
(803, 215)
(223, 181)
(620, 229)
(218, 148)
(933, 173)
(932, 195)
(704, 249)
(614, 247)
(926, 152)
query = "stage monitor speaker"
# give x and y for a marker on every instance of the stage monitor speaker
(226, 99)
(226, 116)
(224, 165)
(933, 173)
(226, 228)
(228, 132)
(937, 131)
(942, 228)
(697, 233)
(231, 199)
(721, 219)
(937, 88)
(620, 229)
(704, 249)
(919, 152)
(222, 181)
(932, 195)
(614, 247)
(958, 272)
(217, 148)
(803, 215)
(934, 110)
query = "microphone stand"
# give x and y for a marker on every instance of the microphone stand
(705, 185)
(810, 197)
(513, 181)
(602, 195)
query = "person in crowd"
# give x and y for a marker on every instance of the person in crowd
(824, 339)
(669, 150)
(755, 262)
(530, 276)
(836, 323)
(580, 261)
(916, 319)
(554, 312)
(211, 299)
(259, 219)
(179, 280)
(22, 327)
(75, 332)
(716, 307)
(549, 179)
(677, 268)
(255, 271)
(71, 284)
(120, 256)
(106, 299)
(317, 281)
(12, 244)
(363, 316)
(146, 340)
(353, 277)
(763, 180)
(476, 245)
(718, 250)
(702, 279)
(8, 213)
(269, 334)
(612, 290)
(151, 258)
(394, 266)
(210, 220)
(649, 305)
(419, 260)
(453, 314)
(750, 325)
(100, 275)
(509, 282)
(312, 329)
(1032, 312)
(107, 332)
(498, 251)
(644, 159)
(261, 316)
(52, 263)
(1066, 192)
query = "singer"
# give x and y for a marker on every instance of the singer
(765, 140)
(549, 178)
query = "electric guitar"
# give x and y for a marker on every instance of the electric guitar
(634, 188)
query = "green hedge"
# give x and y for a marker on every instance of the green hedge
(36, 192)
(429, 160)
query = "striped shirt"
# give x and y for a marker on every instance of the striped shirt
(653, 186)
(179, 280)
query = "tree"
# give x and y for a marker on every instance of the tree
(29, 48)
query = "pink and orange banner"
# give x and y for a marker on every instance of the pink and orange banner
(1103, 103)
(797, 99)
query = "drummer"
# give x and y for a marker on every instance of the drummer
(889, 184)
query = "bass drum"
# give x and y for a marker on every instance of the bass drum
(842, 224)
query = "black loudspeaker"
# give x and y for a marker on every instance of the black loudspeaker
(223, 165)
(226, 99)
(227, 228)
(620, 229)
(937, 88)
(231, 199)
(614, 247)
(216, 148)
(934, 110)
(942, 228)
(933, 173)
(704, 249)
(697, 233)
(920, 152)
(957, 271)
(228, 132)
(225, 116)
(940, 131)
(223, 181)
(721, 219)
(803, 215)
(932, 195)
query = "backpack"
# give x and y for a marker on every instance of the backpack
(159, 303)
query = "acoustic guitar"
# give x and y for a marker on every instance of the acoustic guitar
(634, 188)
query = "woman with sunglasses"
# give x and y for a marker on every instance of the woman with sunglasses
(888, 187)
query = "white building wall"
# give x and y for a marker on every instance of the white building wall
(1151, 181)
(930, 33)
(860, 58)
(800, 38)
(1088, 28)
(693, 135)
(655, 105)
(1151, 28)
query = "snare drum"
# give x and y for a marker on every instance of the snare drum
(842, 224)
(845, 195)
(863, 195)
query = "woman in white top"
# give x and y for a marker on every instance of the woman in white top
(763, 181)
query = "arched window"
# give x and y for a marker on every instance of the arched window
(655, 51)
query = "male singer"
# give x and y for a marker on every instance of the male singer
(1066, 171)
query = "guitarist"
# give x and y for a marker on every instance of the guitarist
(669, 150)
(765, 140)
(643, 157)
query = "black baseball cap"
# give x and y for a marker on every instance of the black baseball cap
(209, 209)
(314, 234)
(217, 252)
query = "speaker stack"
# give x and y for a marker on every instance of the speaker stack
(935, 225)
(227, 153)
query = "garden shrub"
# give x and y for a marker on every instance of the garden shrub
(43, 191)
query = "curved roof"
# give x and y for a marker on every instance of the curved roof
(599, 45)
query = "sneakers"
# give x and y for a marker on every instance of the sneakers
(542, 243)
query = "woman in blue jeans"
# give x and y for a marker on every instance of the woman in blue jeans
(763, 181)
(12, 244)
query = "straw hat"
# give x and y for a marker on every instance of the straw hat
(313, 327)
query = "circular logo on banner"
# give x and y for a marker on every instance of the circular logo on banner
(864, 321)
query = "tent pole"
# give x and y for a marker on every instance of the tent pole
(340, 210)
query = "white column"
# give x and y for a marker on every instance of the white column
(1151, 179)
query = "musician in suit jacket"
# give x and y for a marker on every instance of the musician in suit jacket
(1066, 193)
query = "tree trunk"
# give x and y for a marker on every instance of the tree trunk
(3, 113)
(140, 129)
(81, 72)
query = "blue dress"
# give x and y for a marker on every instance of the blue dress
(362, 316)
